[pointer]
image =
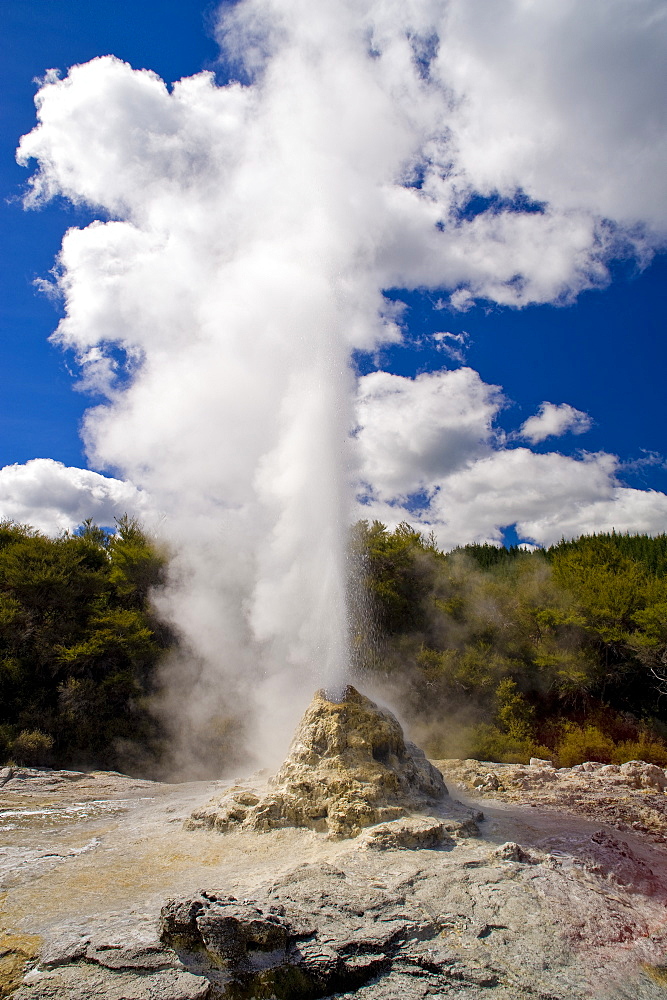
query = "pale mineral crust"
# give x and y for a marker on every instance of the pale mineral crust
(538, 905)
(512, 924)
(631, 796)
(349, 767)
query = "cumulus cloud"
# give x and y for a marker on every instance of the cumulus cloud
(54, 498)
(247, 234)
(415, 431)
(562, 103)
(553, 420)
(430, 456)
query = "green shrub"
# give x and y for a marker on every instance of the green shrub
(579, 744)
(79, 643)
(31, 747)
(645, 747)
(513, 747)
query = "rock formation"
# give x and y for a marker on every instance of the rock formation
(349, 767)
(631, 796)
(540, 905)
(514, 924)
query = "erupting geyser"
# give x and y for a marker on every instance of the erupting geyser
(253, 232)
(348, 767)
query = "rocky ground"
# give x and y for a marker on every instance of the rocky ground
(105, 893)
(627, 796)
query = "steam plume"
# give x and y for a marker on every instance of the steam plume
(246, 235)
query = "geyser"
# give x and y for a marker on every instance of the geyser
(245, 235)
(349, 767)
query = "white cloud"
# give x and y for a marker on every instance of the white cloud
(452, 344)
(553, 420)
(564, 102)
(434, 436)
(414, 431)
(54, 498)
(462, 300)
(625, 509)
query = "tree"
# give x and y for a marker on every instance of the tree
(79, 642)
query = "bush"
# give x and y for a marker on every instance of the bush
(31, 747)
(513, 747)
(645, 747)
(580, 744)
(79, 644)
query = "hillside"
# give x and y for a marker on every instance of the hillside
(493, 653)
(503, 654)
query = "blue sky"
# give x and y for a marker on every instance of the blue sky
(603, 353)
(40, 413)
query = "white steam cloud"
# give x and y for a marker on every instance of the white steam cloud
(246, 235)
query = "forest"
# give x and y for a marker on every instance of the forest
(494, 653)
(503, 654)
(79, 645)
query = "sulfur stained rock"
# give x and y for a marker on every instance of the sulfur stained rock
(16, 952)
(349, 767)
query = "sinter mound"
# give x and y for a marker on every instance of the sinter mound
(348, 767)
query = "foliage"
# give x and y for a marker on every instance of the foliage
(395, 577)
(78, 641)
(646, 550)
(562, 650)
(31, 747)
(644, 747)
(486, 555)
(500, 653)
(580, 743)
(511, 737)
(488, 742)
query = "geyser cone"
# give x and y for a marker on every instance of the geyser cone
(349, 767)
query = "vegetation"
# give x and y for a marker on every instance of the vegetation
(78, 644)
(503, 654)
(494, 653)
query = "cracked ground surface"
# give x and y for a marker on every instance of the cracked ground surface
(544, 902)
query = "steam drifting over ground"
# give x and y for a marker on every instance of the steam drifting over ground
(246, 234)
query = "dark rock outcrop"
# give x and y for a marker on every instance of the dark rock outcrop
(512, 925)
(312, 938)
